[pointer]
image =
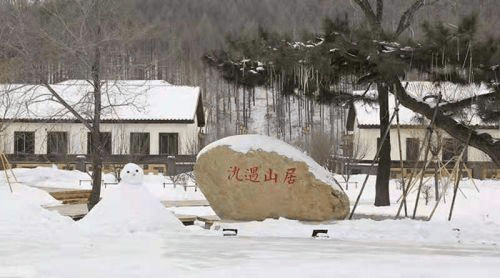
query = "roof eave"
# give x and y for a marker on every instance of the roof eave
(104, 121)
(377, 126)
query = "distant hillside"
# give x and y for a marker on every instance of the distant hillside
(207, 22)
(183, 30)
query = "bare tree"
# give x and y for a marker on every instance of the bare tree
(320, 147)
(82, 36)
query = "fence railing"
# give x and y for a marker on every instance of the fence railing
(173, 164)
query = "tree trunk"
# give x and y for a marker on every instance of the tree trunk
(217, 112)
(436, 178)
(96, 170)
(97, 148)
(384, 162)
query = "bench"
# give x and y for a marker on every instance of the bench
(102, 181)
(110, 183)
(185, 185)
(348, 183)
(209, 220)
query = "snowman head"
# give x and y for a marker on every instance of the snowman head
(131, 174)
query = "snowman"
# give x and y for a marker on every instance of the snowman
(131, 175)
(130, 207)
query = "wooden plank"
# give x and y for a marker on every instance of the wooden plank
(208, 218)
(186, 203)
(75, 211)
(58, 189)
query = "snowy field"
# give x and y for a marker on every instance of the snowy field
(35, 242)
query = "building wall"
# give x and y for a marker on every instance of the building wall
(366, 139)
(77, 136)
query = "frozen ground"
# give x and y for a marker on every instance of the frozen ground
(37, 243)
(191, 255)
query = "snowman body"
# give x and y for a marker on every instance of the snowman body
(130, 208)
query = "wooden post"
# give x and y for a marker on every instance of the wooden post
(455, 189)
(6, 168)
(171, 170)
(456, 168)
(427, 147)
(401, 157)
(371, 166)
(436, 180)
(80, 163)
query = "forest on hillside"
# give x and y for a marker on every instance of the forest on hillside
(185, 29)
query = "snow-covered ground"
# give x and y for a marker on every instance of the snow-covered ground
(35, 242)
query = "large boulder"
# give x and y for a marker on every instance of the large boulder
(254, 177)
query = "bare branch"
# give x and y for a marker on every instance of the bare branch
(407, 17)
(65, 104)
(461, 132)
(380, 10)
(370, 15)
(466, 102)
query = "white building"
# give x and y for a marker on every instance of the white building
(364, 126)
(143, 117)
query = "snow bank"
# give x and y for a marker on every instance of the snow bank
(29, 194)
(362, 229)
(253, 142)
(475, 220)
(471, 206)
(22, 218)
(54, 177)
(34, 195)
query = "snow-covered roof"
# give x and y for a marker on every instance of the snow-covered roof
(141, 100)
(368, 114)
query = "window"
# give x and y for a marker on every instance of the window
(57, 143)
(452, 149)
(169, 143)
(105, 140)
(412, 149)
(139, 143)
(24, 142)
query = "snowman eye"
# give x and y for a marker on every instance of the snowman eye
(137, 170)
(128, 172)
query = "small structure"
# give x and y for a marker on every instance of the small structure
(139, 118)
(364, 130)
